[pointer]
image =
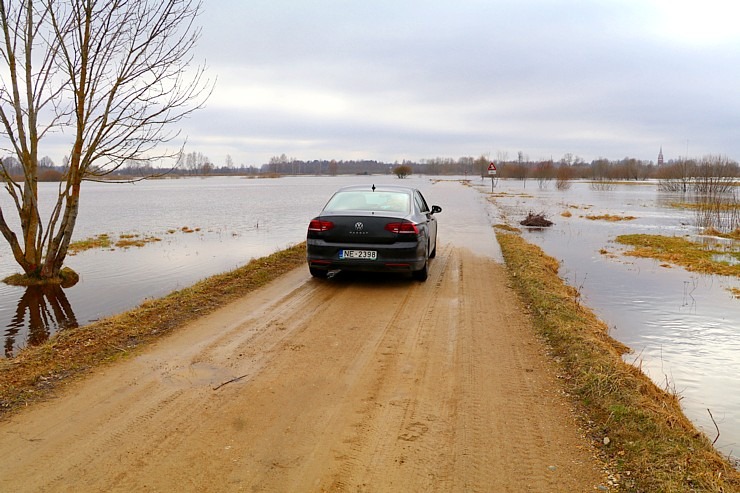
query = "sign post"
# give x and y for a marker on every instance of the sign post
(492, 173)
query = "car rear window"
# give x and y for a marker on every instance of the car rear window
(368, 201)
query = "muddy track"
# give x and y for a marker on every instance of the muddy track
(350, 384)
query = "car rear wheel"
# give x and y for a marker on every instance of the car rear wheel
(319, 273)
(423, 273)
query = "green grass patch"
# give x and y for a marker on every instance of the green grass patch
(681, 251)
(652, 444)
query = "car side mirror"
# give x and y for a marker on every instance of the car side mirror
(436, 209)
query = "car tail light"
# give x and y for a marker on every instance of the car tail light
(318, 225)
(402, 228)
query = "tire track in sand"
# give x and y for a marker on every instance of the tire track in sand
(357, 383)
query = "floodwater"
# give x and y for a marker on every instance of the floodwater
(684, 328)
(227, 221)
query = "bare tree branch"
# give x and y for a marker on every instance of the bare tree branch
(113, 75)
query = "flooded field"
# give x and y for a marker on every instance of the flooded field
(684, 328)
(204, 226)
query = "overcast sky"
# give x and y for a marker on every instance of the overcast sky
(398, 79)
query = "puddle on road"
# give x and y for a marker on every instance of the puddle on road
(466, 219)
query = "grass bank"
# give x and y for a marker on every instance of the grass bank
(38, 371)
(645, 434)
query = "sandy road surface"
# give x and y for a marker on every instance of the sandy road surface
(352, 384)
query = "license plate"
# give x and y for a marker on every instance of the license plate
(358, 254)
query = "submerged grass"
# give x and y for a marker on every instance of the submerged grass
(36, 372)
(98, 241)
(677, 250)
(651, 442)
(610, 218)
(127, 240)
(135, 240)
(726, 206)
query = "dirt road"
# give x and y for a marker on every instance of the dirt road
(352, 384)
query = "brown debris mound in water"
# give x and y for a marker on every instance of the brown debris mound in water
(536, 220)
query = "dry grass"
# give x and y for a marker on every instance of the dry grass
(38, 371)
(506, 227)
(652, 444)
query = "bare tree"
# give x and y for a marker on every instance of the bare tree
(113, 76)
(563, 175)
(402, 171)
(481, 165)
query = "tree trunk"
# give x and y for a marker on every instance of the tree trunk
(58, 247)
(30, 220)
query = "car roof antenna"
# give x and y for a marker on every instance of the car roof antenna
(373, 187)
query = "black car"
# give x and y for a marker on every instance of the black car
(373, 228)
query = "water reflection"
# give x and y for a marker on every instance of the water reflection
(40, 311)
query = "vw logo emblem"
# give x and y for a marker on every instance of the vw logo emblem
(359, 226)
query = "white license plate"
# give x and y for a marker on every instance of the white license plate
(358, 254)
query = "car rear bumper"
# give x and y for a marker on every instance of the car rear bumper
(398, 257)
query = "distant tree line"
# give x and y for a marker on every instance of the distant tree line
(680, 174)
(711, 174)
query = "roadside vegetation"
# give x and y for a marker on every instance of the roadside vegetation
(38, 371)
(641, 428)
